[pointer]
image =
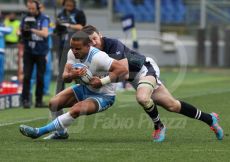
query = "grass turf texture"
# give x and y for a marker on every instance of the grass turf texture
(123, 133)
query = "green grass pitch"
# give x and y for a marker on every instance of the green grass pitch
(123, 132)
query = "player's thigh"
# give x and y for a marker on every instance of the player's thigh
(103, 101)
(161, 96)
(85, 107)
(65, 98)
(145, 86)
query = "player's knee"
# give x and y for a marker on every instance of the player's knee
(53, 105)
(77, 110)
(145, 101)
(143, 95)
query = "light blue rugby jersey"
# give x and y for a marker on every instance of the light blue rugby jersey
(99, 64)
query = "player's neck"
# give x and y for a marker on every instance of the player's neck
(102, 44)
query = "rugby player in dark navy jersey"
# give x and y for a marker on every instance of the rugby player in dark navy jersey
(144, 76)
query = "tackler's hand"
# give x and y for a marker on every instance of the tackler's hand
(95, 82)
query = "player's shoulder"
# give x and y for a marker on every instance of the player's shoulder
(70, 55)
(95, 54)
(113, 44)
(70, 52)
(110, 41)
(95, 51)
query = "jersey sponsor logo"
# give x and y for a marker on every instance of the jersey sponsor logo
(118, 52)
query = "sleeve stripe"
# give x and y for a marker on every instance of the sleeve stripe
(92, 53)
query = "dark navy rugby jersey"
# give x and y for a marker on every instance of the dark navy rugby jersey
(117, 50)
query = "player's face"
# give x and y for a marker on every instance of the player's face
(96, 40)
(79, 49)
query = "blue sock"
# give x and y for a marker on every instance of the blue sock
(54, 125)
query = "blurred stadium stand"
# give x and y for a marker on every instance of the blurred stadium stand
(172, 11)
(143, 11)
(177, 16)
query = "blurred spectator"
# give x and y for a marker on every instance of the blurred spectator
(48, 72)
(3, 30)
(69, 20)
(12, 22)
(34, 31)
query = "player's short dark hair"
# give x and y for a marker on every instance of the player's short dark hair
(81, 36)
(89, 29)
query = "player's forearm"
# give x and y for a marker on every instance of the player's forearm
(115, 75)
(119, 74)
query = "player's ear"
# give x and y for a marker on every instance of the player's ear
(100, 35)
(91, 43)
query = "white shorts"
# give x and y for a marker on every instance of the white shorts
(150, 68)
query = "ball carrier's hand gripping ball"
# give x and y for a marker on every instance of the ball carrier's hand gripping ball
(88, 75)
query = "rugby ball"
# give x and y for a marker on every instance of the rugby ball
(85, 78)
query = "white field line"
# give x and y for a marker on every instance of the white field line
(22, 121)
(171, 150)
(121, 106)
(127, 149)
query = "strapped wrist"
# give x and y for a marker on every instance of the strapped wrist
(105, 80)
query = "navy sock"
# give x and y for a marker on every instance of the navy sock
(192, 112)
(154, 115)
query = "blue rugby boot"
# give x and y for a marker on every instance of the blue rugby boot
(159, 134)
(215, 127)
(29, 131)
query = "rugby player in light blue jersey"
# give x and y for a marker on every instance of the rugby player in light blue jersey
(82, 99)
